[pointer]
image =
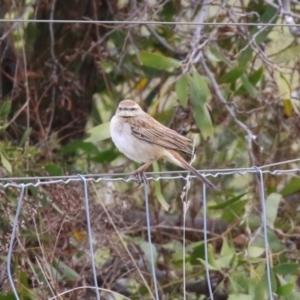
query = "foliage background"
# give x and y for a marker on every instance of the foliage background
(231, 84)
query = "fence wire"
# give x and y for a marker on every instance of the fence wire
(150, 176)
(143, 22)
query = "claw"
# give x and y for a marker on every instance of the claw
(139, 174)
(140, 178)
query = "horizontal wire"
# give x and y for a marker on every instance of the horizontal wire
(176, 174)
(140, 22)
(78, 178)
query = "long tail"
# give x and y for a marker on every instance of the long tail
(176, 158)
(197, 174)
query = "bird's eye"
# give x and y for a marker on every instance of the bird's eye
(132, 109)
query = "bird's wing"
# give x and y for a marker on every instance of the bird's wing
(148, 129)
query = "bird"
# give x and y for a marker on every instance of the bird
(144, 140)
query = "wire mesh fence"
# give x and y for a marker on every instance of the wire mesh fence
(83, 181)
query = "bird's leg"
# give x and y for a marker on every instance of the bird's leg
(139, 173)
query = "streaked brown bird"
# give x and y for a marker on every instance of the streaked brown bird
(144, 140)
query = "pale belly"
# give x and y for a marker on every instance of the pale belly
(134, 148)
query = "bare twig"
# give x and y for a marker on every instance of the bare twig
(250, 136)
(289, 19)
(162, 40)
(54, 72)
(252, 42)
(284, 9)
(196, 48)
(89, 287)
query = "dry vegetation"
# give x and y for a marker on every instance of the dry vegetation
(233, 88)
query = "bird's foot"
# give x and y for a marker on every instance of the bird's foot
(140, 177)
(139, 174)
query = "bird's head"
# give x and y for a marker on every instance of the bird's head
(128, 108)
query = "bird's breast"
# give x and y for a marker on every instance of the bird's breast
(134, 148)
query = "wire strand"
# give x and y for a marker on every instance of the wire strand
(142, 22)
(152, 262)
(12, 239)
(89, 229)
(127, 177)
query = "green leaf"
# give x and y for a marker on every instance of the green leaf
(255, 77)
(224, 262)
(232, 75)
(118, 37)
(23, 279)
(240, 297)
(5, 109)
(99, 133)
(204, 122)
(234, 211)
(294, 295)
(239, 281)
(169, 11)
(288, 107)
(268, 16)
(49, 270)
(285, 92)
(245, 57)
(274, 242)
(181, 89)
(227, 203)
(251, 81)
(255, 252)
(158, 61)
(198, 97)
(105, 156)
(292, 187)
(8, 297)
(25, 137)
(286, 269)
(54, 170)
(226, 248)
(289, 54)
(215, 51)
(197, 253)
(253, 220)
(248, 86)
(86, 147)
(262, 288)
(157, 189)
(67, 272)
(193, 245)
(199, 87)
(102, 254)
(33, 190)
(31, 33)
(146, 249)
(272, 204)
(285, 290)
(198, 256)
(150, 73)
(273, 280)
(5, 163)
